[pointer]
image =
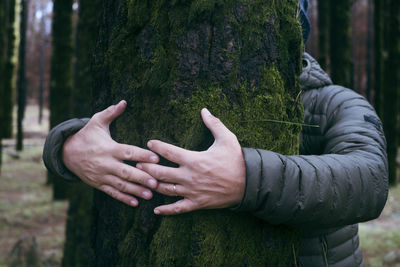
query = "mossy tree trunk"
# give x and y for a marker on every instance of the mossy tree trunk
(80, 195)
(340, 43)
(323, 32)
(21, 79)
(61, 77)
(391, 84)
(7, 40)
(168, 59)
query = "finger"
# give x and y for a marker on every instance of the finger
(106, 116)
(170, 152)
(131, 174)
(162, 173)
(179, 207)
(217, 128)
(114, 193)
(134, 153)
(169, 189)
(128, 188)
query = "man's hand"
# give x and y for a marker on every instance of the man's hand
(97, 159)
(210, 179)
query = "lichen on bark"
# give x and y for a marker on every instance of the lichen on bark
(169, 59)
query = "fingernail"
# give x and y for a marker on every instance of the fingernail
(207, 112)
(153, 158)
(149, 144)
(156, 211)
(146, 194)
(139, 166)
(152, 183)
(134, 203)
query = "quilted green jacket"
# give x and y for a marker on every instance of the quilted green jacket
(339, 179)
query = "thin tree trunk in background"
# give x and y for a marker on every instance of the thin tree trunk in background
(61, 77)
(7, 97)
(323, 32)
(340, 43)
(391, 84)
(81, 195)
(369, 47)
(21, 81)
(378, 56)
(7, 38)
(41, 67)
(3, 42)
(169, 59)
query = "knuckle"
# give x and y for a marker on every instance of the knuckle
(129, 153)
(216, 121)
(177, 209)
(124, 173)
(121, 186)
(109, 111)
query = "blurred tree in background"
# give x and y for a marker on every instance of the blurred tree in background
(7, 40)
(80, 195)
(21, 75)
(340, 43)
(61, 77)
(391, 83)
(323, 30)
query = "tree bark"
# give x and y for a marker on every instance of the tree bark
(340, 43)
(378, 51)
(7, 39)
(21, 80)
(168, 59)
(391, 85)
(369, 47)
(323, 32)
(7, 97)
(61, 77)
(81, 195)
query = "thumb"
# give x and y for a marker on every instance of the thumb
(217, 128)
(106, 116)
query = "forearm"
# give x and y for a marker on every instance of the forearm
(321, 191)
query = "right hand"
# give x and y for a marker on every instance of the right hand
(97, 159)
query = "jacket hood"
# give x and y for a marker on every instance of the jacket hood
(313, 76)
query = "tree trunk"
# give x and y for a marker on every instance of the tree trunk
(369, 48)
(7, 38)
(391, 85)
(378, 51)
(61, 77)
(7, 97)
(41, 66)
(21, 81)
(323, 32)
(340, 44)
(168, 59)
(81, 195)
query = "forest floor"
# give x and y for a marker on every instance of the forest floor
(32, 225)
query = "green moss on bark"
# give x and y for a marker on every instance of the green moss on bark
(241, 59)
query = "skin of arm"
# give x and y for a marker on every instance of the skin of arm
(209, 179)
(98, 160)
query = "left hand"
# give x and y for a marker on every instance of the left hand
(210, 179)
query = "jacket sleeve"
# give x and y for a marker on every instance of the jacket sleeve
(346, 184)
(52, 151)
